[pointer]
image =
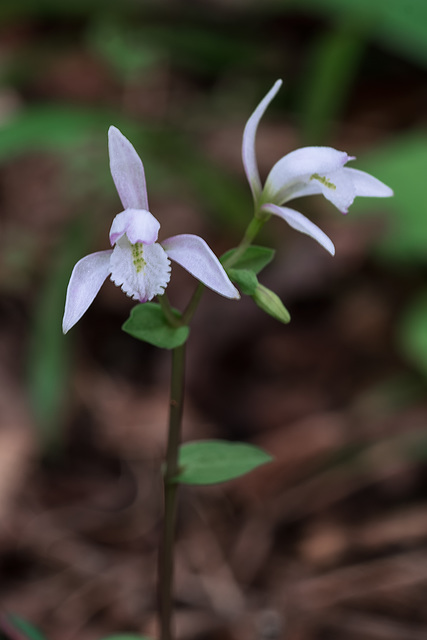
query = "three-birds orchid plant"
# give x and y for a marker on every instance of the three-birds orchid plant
(141, 266)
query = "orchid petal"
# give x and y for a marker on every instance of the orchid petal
(368, 186)
(299, 222)
(141, 270)
(248, 146)
(293, 171)
(127, 171)
(192, 253)
(86, 280)
(337, 187)
(138, 224)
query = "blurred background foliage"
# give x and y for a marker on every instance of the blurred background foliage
(180, 80)
(169, 74)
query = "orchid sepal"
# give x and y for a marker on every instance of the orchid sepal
(195, 255)
(301, 223)
(248, 144)
(127, 171)
(86, 280)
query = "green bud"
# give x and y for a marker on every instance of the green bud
(269, 302)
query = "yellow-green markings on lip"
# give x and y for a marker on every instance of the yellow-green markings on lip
(138, 257)
(324, 181)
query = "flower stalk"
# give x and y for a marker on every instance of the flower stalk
(166, 563)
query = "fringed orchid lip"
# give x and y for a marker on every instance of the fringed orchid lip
(137, 262)
(303, 172)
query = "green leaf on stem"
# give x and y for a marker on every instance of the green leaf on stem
(254, 258)
(270, 302)
(214, 461)
(23, 628)
(147, 322)
(245, 279)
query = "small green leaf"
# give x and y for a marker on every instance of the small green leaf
(269, 302)
(245, 279)
(213, 461)
(25, 629)
(254, 258)
(148, 323)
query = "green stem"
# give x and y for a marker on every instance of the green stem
(173, 320)
(252, 230)
(193, 304)
(170, 492)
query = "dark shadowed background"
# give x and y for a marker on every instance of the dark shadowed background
(329, 541)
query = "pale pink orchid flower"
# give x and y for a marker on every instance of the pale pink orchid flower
(306, 171)
(137, 262)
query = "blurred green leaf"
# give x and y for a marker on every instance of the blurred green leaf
(200, 46)
(148, 323)
(412, 332)
(400, 25)
(24, 628)
(50, 127)
(124, 47)
(49, 352)
(401, 165)
(214, 461)
(330, 70)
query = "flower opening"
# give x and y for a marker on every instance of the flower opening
(304, 172)
(138, 263)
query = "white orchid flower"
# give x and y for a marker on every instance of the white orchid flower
(304, 172)
(138, 263)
